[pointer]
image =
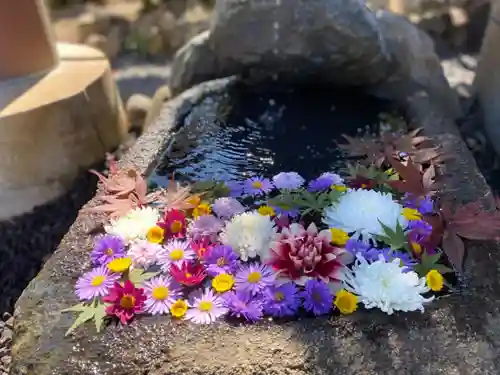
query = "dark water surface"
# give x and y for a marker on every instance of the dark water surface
(265, 131)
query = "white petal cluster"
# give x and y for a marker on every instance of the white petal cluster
(384, 285)
(361, 211)
(135, 224)
(250, 234)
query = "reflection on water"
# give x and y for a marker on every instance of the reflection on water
(264, 131)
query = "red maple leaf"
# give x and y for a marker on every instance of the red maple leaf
(413, 180)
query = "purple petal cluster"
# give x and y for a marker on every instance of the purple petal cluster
(227, 207)
(257, 186)
(254, 278)
(317, 297)
(324, 181)
(282, 301)
(221, 259)
(288, 180)
(205, 227)
(242, 304)
(424, 205)
(407, 261)
(106, 249)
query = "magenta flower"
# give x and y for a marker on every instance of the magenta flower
(317, 297)
(244, 305)
(95, 283)
(205, 307)
(126, 301)
(257, 186)
(288, 180)
(254, 278)
(161, 293)
(106, 249)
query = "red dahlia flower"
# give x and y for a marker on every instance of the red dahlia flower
(188, 274)
(126, 300)
(300, 255)
(174, 223)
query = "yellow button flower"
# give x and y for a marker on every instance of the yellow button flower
(346, 302)
(434, 280)
(339, 236)
(156, 235)
(179, 308)
(411, 214)
(202, 209)
(266, 211)
(222, 282)
(341, 188)
(119, 265)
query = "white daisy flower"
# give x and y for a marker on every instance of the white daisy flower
(135, 224)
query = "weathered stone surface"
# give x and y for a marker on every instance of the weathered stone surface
(327, 41)
(459, 334)
(417, 66)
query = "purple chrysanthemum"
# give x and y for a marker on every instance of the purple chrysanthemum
(288, 180)
(205, 307)
(175, 252)
(221, 259)
(282, 301)
(161, 293)
(290, 212)
(144, 253)
(254, 278)
(407, 261)
(317, 297)
(324, 182)
(359, 247)
(236, 188)
(244, 305)
(257, 186)
(227, 207)
(106, 249)
(205, 227)
(424, 205)
(95, 283)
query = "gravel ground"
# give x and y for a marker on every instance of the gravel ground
(134, 77)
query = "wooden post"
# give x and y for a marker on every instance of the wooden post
(60, 110)
(26, 42)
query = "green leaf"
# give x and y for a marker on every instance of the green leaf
(395, 239)
(200, 186)
(138, 276)
(79, 307)
(84, 316)
(99, 315)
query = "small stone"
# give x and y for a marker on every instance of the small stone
(161, 96)
(10, 322)
(137, 108)
(6, 360)
(6, 337)
(109, 45)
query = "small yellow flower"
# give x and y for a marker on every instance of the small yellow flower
(179, 308)
(417, 248)
(222, 282)
(266, 211)
(411, 214)
(156, 235)
(194, 200)
(202, 209)
(119, 265)
(339, 237)
(435, 280)
(341, 188)
(346, 302)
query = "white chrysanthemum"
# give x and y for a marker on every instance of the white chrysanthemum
(386, 285)
(361, 211)
(250, 234)
(135, 224)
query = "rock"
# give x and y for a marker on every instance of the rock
(194, 63)
(160, 97)
(5, 337)
(110, 44)
(9, 323)
(93, 22)
(6, 316)
(448, 336)
(326, 42)
(417, 67)
(138, 106)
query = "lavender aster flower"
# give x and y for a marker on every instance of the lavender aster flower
(106, 249)
(254, 278)
(424, 205)
(175, 252)
(205, 307)
(257, 186)
(317, 297)
(161, 293)
(206, 226)
(95, 283)
(288, 180)
(226, 208)
(235, 188)
(359, 247)
(324, 181)
(291, 212)
(282, 301)
(221, 259)
(243, 305)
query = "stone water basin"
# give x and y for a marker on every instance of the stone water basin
(252, 131)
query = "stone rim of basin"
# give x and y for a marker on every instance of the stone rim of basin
(439, 340)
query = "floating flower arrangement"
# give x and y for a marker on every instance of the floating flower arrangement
(376, 236)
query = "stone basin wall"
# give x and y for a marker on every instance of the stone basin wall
(456, 335)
